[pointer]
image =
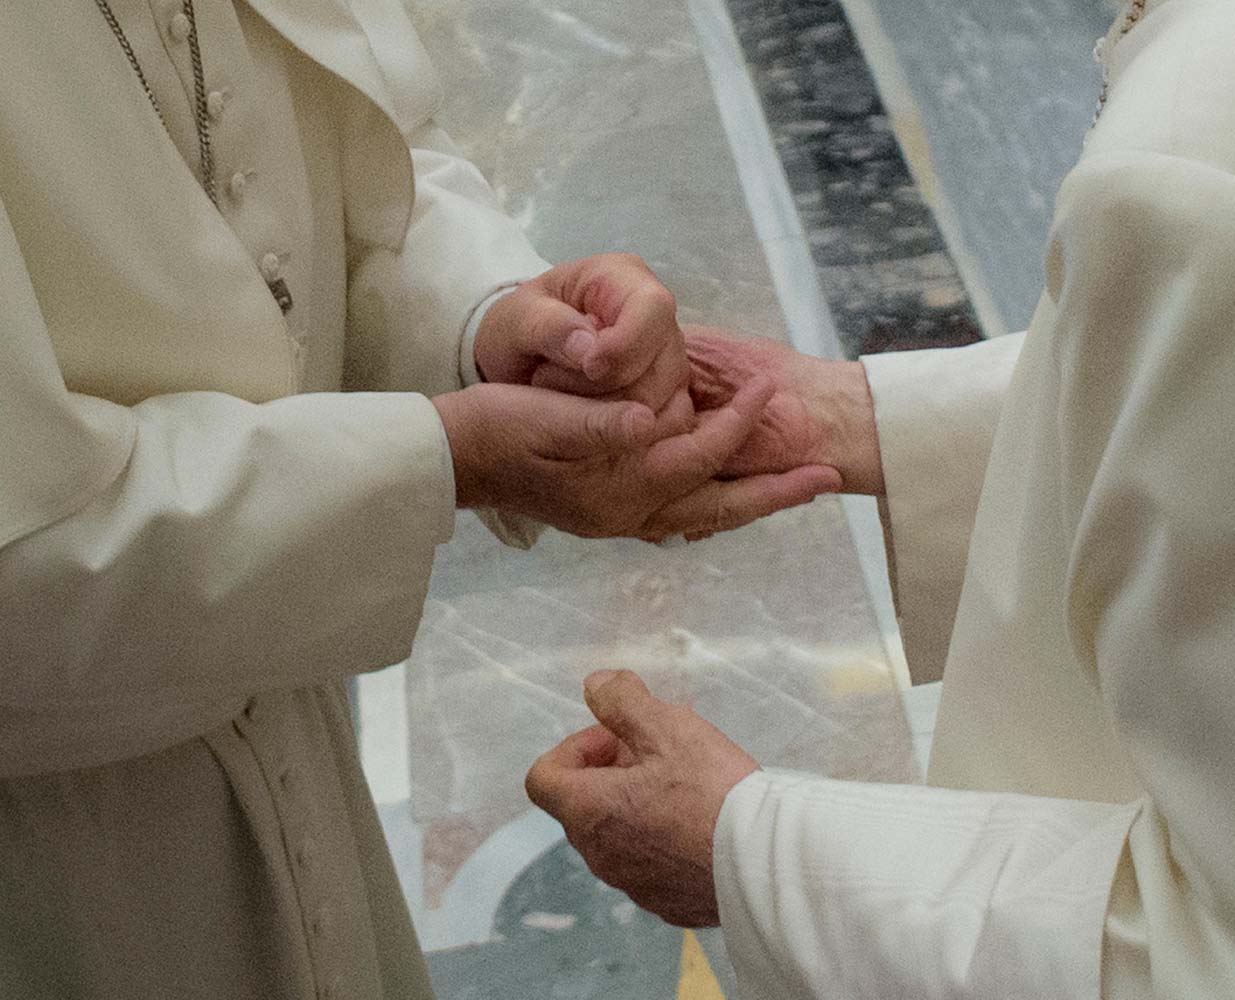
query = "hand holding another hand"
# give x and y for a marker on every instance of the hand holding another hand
(640, 794)
(820, 412)
(598, 468)
(602, 326)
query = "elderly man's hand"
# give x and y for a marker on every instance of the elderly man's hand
(599, 468)
(600, 326)
(821, 412)
(640, 794)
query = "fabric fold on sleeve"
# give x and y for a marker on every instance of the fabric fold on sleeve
(407, 311)
(245, 547)
(936, 412)
(831, 888)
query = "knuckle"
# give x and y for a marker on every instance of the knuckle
(707, 463)
(626, 680)
(536, 786)
(728, 513)
(624, 258)
(661, 300)
(594, 424)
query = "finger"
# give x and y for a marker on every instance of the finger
(569, 779)
(651, 381)
(674, 412)
(676, 417)
(558, 332)
(523, 328)
(667, 375)
(722, 506)
(561, 379)
(622, 704)
(585, 427)
(681, 463)
(563, 792)
(594, 746)
(645, 325)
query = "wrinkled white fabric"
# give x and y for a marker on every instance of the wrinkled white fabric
(200, 535)
(1082, 847)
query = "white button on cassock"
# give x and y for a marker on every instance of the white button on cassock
(216, 101)
(270, 266)
(179, 27)
(236, 186)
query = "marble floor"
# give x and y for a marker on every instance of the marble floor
(886, 275)
(782, 165)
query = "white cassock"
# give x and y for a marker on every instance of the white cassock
(1080, 838)
(200, 535)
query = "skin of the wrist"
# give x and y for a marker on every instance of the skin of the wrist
(491, 326)
(839, 395)
(456, 412)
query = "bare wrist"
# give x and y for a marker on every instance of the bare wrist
(459, 420)
(840, 399)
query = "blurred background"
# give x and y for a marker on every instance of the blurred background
(849, 177)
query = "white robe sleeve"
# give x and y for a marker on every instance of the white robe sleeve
(460, 248)
(842, 889)
(215, 548)
(398, 305)
(166, 560)
(935, 411)
(159, 563)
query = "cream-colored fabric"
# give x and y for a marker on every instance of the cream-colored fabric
(248, 865)
(933, 480)
(199, 534)
(1083, 847)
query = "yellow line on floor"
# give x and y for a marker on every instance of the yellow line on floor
(697, 981)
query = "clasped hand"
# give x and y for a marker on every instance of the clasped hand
(586, 420)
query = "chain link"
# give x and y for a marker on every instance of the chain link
(201, 116)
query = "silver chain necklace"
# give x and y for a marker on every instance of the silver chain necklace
(201, 116)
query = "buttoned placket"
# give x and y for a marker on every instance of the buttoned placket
(251, 198)
(277, 752)
(258, 206)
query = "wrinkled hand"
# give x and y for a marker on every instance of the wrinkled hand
(640, 794)
(821, 412)
(599, 468)
(600, 326)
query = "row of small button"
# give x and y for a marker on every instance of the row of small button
(305, 855)
(179, 27)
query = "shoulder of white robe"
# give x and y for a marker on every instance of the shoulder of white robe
(369, 43)
(415, 87)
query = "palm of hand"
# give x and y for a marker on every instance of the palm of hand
(787, 435)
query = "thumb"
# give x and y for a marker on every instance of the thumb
(622, 703)
(559, 333)
(587, 427)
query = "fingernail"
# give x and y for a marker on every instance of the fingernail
(596, 679)
(578, 345)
